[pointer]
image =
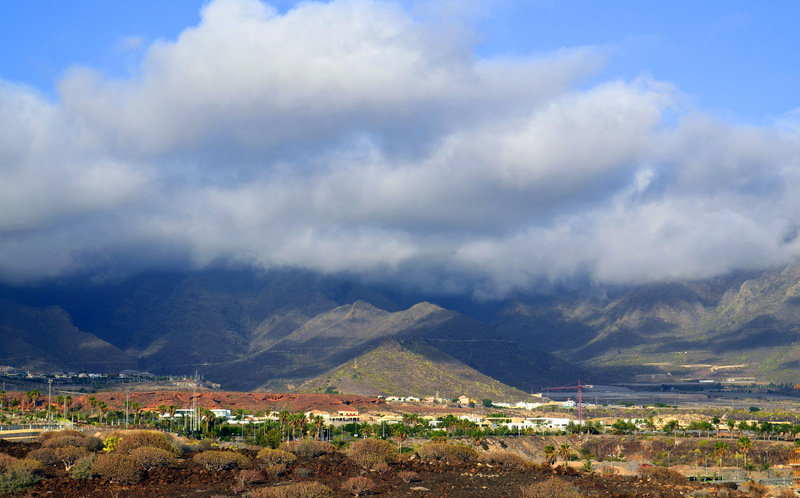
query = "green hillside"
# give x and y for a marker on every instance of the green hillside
(411, 368)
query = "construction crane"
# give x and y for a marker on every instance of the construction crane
(579, 387)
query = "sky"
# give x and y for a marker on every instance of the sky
(455, 146)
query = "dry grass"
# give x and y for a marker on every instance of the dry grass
(551, 488)
(370, 452)
(305, 489)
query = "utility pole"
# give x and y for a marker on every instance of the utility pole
(49, 391)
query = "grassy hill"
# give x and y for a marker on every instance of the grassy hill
(411, 368)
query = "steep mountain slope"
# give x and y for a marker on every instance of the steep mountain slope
(334, 337)
(738, 326)
(46, 339)
(410, 368)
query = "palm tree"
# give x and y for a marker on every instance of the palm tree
(283, 418)
(564, 453)
(2, 399)
(319, 422)
(136, 407)
(171, 409)
(550, 454)
(731, 424)
(211, 417)
(720, 450)
(745, 445)
(162, 409)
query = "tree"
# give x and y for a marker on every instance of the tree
(564, 453)
(171, 409)
(731, 424)
(487, 402)
(720, 450)
(745, 445)
(550, 454)
(283, 418)
(671, 426)
(715, 422)
(319, 423)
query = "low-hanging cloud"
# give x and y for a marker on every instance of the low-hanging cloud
(350, 136)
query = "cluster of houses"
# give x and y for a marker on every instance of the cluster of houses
(343, 417)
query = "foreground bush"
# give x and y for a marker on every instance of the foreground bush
(69, 455)
(453, 453)
(150, 458)
(308, 448)
(83, 467)
(47, 456)
(9, 463)
(117, 467)
(407, 476)
(551, 488)
(357, 486)
(130, 440)
(306, 489)
(220, 460)
(269, 456)
(46, 436)
(369, 452)
(65, 441)
(662, 474)
(15, 480)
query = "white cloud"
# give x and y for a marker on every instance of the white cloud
(348, 136)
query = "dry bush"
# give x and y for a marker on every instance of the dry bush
(117, 467)
(47, 456)
(65, 441)
(305, 489)
(252, 476)
(139, 439)
(453, 453)
(220, 460)
(268, 456)
(274, 469)
(551, 488)
(381, 468)
(610, 472)
(150, 458)
(69, 455)
(6, 461)
(358, 486)
(46, 436)
(368, 452)
(83, 468)
(662, 474)
(506, 459)
(94, 443)
(308, 448)
(753, 489)
(407, 476)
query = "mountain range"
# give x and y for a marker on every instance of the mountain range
(289, 329)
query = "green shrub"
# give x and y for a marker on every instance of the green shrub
(150, 458)
(269, 457)
(551, 488)
(306, 489)
(368, 452)
(27, 464)
(15, 480)
(220, 460)
(453, 453)
(83, 468)
(117, 467)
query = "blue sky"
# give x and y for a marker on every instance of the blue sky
(737, 58)
(456, 146)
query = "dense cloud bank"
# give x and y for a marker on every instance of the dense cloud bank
(350, 136)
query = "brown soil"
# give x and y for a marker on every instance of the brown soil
(434, 479)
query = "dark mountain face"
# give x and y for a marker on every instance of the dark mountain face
(247, 328)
